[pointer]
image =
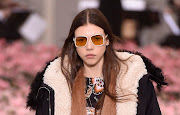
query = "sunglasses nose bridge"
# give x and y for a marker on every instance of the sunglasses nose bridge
(89, 43)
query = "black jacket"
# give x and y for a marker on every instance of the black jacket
(49, 96)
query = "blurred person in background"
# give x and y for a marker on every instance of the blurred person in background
(163, 32)
(5, 12)
(156, 33)
(90, 77)
(12, 15)
(167, 31)
(173, 20)
(112, 10)
(146, 25)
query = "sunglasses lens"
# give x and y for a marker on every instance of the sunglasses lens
(81, 41)
(97, 40)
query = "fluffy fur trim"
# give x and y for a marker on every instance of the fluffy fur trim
(128, 81)
(31, 99)
(132, 70)
(156, 72)
(54, 78)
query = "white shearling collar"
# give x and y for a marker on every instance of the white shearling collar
(127, 79)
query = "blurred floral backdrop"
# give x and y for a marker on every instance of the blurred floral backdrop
(19, 64)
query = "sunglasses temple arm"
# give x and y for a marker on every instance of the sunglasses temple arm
(106, 36)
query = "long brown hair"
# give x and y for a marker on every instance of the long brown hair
(73, 63)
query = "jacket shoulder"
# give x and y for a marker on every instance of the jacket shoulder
(36, 84)
(132, 69)
(147, 97)
(156, 74)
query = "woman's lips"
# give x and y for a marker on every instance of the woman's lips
(90, 55)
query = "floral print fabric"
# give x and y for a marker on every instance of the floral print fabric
(94, 90)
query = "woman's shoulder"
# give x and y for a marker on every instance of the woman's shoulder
(131, 59)
(139, 65)
(126, 55)
(39, 82)
(132, 62)
(132, 69)
(136, 59)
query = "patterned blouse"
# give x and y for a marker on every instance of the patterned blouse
(94, 90)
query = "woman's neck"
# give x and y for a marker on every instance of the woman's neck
(93, 71)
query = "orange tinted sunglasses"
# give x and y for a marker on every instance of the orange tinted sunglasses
(97, 40)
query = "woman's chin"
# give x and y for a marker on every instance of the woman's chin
(90, 64)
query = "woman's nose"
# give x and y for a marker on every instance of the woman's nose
(89, 45)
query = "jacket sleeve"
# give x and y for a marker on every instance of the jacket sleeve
(36, 84)
(41, 96)
(147, 100)
(44, 100)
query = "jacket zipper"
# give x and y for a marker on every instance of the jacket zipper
(48, 98)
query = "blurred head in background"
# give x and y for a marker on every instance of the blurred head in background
(177, 3)
(5, 8)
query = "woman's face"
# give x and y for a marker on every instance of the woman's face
(90, 54)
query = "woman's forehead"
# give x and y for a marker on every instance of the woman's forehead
(89, 30)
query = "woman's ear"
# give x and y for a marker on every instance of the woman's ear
(107, 42)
